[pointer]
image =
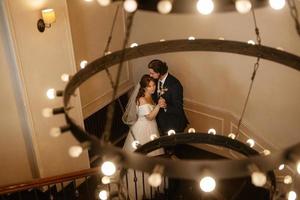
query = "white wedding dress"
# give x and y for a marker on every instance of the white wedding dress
(143, 129)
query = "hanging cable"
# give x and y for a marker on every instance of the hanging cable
(294, 14)
(111, 107)
(255, 68)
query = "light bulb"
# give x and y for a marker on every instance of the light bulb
(75, 151)
(171, 132)
(277, 4)
(258, 179)
(266, 152)
(51, 93)
(108, 168)
(130, 5)
(88, 0)
(298, 167)
(251, 42)
(231, 135)
(191, 38)
(205, 7)
(155, 179)
(55, 132)
(250, 142)
(134, 45)
(221, 38)
(162, 40)
(281, 167)
(83, 64)
(103, 195)
(47, 112)
(107, 53)
(287, 179)
(212, 131)
(135, 144)
(192, 130)
(207, 184)
(164, 6)
(153, 137)
(65, 77)
(104, 2)
(105, 180)
(243, 6)
(292, 195)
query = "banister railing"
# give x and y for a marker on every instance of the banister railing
(48, 181)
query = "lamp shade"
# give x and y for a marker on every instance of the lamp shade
(48, 16)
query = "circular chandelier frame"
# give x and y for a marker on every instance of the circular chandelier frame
(221, 169)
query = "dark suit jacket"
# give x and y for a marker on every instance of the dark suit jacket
(173, 117)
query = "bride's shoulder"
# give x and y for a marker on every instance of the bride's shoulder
(142, 101)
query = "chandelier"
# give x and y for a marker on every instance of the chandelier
(259, 167)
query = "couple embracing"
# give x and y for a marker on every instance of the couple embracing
(155, 107)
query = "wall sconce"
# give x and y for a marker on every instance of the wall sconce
(48, 17)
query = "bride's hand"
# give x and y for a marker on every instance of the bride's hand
(162, 103)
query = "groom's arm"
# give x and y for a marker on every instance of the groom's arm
(176, 104)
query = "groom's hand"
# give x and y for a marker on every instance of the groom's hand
(162, 102)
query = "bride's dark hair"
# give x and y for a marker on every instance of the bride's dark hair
(144, 82)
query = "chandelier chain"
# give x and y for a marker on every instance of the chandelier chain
(294, 14)
(255, 68)
(111, 107)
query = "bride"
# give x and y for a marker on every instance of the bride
(140, 114)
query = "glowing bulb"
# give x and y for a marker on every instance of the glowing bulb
(164, 6)
(162, 40)
(83, 64)
(205, 7)
(55, 132)
(191, 38)
(108, 168)
(231, 135)
(103, 195)
(298, 167)
(212, 131)
(104, 2)
(51, 93)
(192, 130)
(292, 195)
(207, 184)
(153, 137)
(130, 5)
(243, 6)
(155, 179)
(277, 4)
(65, 77)
(250, 142)
(266, 152)
(251, 42)
(134, 45)
(171, 132)
(135, 144)
(107, 53)
(75, 151)
(287, 179)
(258, 179)
(47, 112)
(280, 48)
(88, 0)
(221, 38)
(105, 180)
(281, 167)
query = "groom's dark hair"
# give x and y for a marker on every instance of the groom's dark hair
(158, 66)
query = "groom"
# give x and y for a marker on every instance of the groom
(170, 93)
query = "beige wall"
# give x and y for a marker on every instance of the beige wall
(11, 138)
(41, 58)
(221, 80)
(91, 25)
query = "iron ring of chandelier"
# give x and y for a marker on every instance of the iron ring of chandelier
(221, 169)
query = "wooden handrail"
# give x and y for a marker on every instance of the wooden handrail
(48, 181)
